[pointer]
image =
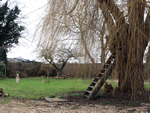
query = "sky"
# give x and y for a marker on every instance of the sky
(32, 12)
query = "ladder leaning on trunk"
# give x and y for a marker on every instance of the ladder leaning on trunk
(98, 81)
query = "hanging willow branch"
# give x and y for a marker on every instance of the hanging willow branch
(80, 23)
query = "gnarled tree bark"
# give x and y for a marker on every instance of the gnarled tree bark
(128, 40)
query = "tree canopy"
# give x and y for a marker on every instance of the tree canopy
(10, 28)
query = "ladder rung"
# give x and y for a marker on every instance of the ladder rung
(92, 87)
(95, 82)
(86, 96)
(101, 73)
(96, 78)
(89, 91)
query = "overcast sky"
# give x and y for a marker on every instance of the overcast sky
(32, 11)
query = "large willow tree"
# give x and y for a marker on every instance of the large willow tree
(122, 26)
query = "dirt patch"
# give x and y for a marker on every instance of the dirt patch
(75, 104)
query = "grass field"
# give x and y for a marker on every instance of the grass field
(35, 88)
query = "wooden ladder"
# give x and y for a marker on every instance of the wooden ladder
(98, 81)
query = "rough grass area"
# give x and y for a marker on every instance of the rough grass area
(34, 87)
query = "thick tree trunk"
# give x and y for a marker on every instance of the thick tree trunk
(130, 71)
(129, 44)
(131, 79)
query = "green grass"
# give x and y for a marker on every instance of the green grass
(36, 89)
(147, 85)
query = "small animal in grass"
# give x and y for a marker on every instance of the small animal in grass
(17, 78)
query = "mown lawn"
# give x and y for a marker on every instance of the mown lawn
(35, 88)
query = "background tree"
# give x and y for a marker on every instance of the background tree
(10, 29)
(58, 54)
(126, 33)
